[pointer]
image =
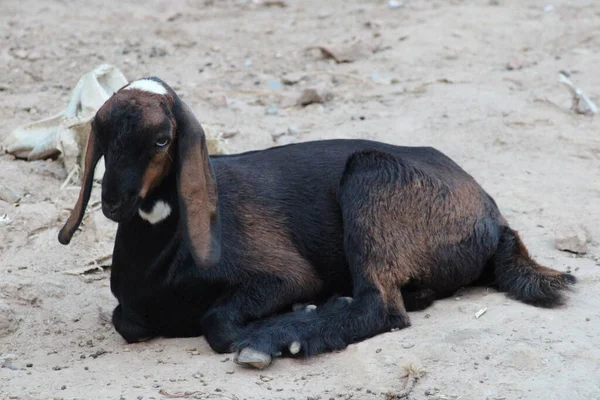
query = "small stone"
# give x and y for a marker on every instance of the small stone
(293, 130)
(408, 345)
(395, 4)
(271, 110)
(309, 96)
(29, 365)
(587, 319)
(291, 79)
(11, 366)
(573, 238)
(5, 220)
(63, 387)
(225, 359)
(230, 372)
(514, 65)
(427, 316)
(9, 195)
(378, 351)
(273, 84)
(248, 63)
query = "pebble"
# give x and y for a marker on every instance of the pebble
(573, 238)
(271, 110)
(274, 84)
(9, 195)
(309, 96)
(408, 345)
(11, 366)
(293, 130)
(291, 79)
(395, 4)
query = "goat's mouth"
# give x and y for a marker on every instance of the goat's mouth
(121, 211)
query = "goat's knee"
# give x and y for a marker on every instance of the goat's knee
(220, 331)
(131, 331)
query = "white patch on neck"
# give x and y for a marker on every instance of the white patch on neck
(147, 85)
(160, 211)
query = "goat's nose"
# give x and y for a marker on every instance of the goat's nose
(113, 205)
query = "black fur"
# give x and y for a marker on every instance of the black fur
(156, 281)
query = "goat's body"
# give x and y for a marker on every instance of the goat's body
(309, 221)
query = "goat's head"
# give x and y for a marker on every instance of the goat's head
(144, 131)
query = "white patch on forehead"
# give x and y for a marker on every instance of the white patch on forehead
(147, 85)
(160, 211)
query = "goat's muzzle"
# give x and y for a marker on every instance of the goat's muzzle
(120, 209)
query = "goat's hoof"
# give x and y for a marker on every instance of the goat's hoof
(295, 348)
(253, 358)
(298, 306)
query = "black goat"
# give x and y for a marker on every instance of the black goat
(393, 227)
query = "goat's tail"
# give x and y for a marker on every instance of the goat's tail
(524, 279)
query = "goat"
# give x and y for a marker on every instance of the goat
(223, 246)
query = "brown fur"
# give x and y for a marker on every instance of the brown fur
(92, 156)
(158, 169)
(271, 250)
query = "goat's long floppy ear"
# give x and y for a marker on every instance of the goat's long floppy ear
(197, 186)
(92, 155)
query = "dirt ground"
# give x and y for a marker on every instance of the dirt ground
(476, 79)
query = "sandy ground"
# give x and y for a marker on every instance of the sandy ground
(476, 79)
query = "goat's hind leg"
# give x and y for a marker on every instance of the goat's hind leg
(372, 248)
(370, 191)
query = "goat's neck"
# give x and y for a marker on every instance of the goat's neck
(161, 204)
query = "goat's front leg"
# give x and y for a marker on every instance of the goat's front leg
(329, 327)
(256, 298)
(131, 327)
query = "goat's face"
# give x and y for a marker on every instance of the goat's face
(140, 131)
(134, 131)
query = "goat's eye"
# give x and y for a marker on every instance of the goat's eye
(162, 142)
